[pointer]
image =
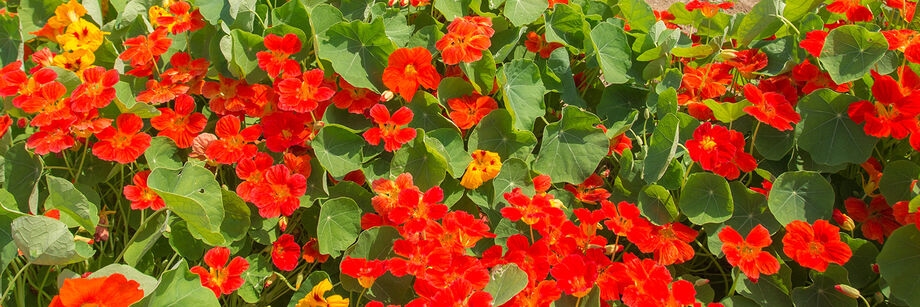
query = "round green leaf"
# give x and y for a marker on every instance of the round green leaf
(773, 144)
(821, 292)
(147, 283)
(338, 150)
(358, 52)
(851, 51)
(706, 198)
(505, 282)
(496, 134)
(194, 195)
(46, 241)
(897, 262)
(662, 148)
(859, 267)
(801, 196)
(657, 204)
(339, 225)
(522, 90)
(377, 244)
(896, 180)
(420, 158)
(162, 153)
(613, 52)
(180, 287)
(750, 210)
(572, 147)
(827, 132)
(76, 209)
(522, 12)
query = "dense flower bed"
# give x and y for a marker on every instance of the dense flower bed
(459, 153)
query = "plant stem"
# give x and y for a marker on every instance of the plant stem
(358, 302)
(134, 237)
(15, 277)
(754, 137)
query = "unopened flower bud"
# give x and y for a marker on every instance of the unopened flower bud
(283, 223)
(845, 222)
(875, 268)
(611, 249)
(700, 282)
(847, 290)
(386, 96)
(83, 239)
(728, 54)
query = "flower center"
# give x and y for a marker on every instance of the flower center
(708, 143)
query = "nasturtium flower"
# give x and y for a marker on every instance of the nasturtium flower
(749, 61)
(285, 253)
(844, 221)
(814, 42)
(407, 69)
(894, 113)
(279, 192)
(228, 95)
(51, 138)
(234, 144)
(810, 78)
(668, 242)
(317, 297)
(590, 191)
(64, 15)
(186, 70)
(770, 108)
(877, 218)
(365, 271)
(720, 150)
(852, 9)
(709, 9)
(123, 144)
(110, 291)
(531, 210)
(252, 172)
(468, 110)
(815, 246)
(75, 61)
(303, 94)
(81, 35)
(277, 58)
(906, 7)
(537, 44)
(311, 252)
(575, 275)
(180, 19)
(221, 277)
(143, 49)
(465, 40)
(620, 217)
(390, 128)
(158, 92)
(747, 253)
(49, 105)
(484, 166)
(142, 196)
(96, 90)
(181, 125)
(5, 123)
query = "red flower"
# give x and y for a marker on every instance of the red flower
(621, 217)
(5, 122)
(162, 91)
(48, 103)
(228, 95)
(529, 210)
(303, 94)
(186, 70)
(748, 62)
(709, 80)
(811, 78)
(767, 186)
(814, 246)
(355, 100)
(574, 275)
(878, 220)
(311, 252)
(51, 138)
(252, 172)
(643, 282)
(907, 8)
(465, 40)
(96, 90)
(814, 42)
(279, 193)
(720, 150)
(365, 271)
(770, 108)
(141, 196)
(277, 58)
(409, 68)
(285, 129)
(667, 18)
(181, 20)
(669, 242)
(285, 253)
(468, 110)
(895, 111)
(590, 191)
(708, 9)
(143, 50)
(181, 125)
(537, 44)
(124, 144)
(233, 144)
(746, 253)
(390, 129)
(111, 291)
(852, 9)
(222, 278)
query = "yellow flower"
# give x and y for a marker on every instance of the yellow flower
(76, 61)
(155, 13)
(484, 167)
(66, 14)
(315, 297)
(81, 34)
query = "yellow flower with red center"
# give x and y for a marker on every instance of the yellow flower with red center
(315, 297)
(81, 35)
(76, 61)
(155, 13)
(484, 167)
(64, 15)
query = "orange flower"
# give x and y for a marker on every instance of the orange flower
(233, 144)
(746, 253)
(537, 44)
(181, 125)
(111, 291)
(124, 144)
(409, 68)
(222, 278)
(143, 49)
(469, 110)
(390, 128)
(465, 40)
(181, 20)
(484, 167)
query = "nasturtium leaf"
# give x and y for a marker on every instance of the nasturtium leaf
(613, 52)
(260, 268)
(481, 73)
(77, 209)
(10, 40)
(181, 287)
(427, 113)
(566, 24)
(667, 102)
(639, 13)
(292, 13)
(821, 292)
(496, 134)
(727, 112)
(147, 282)
(897, 180)
(452, 145)
(375, 244)
(33, 14)
(801, 196)
(706, 198)
(358, 52)
(126, 102)
(773, 144)
(245, 46)
(162, 153)
(21, 171)
(750, 210)
(523, 12)
(452, 8)
(339, 225)
(397, 27)
(46, 241)
(795, 10)
(194, 195)
(572, 147)
(851, 51)
(450, 88)
(661, 149)
(826, 131)
(897, 263)
(657, 204)
(338, 150)
(145, 237)
(522, 90)
(560, 66)
(762, 21)
(698, 51)
(769, 290)
(505, 281)
(236, 216)
(419, 158)
(859, 267)
(182, 242)
(515, 173)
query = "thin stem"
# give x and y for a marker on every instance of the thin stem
(134, 237)
(731, 291)
(82, 159)
(15, 277)
(578, 301)
(358, 302)
(754, 137)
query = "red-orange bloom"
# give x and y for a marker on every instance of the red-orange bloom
(277, 58)
(468, 110)
(52, 138)
(186, 70)
(877, 218)
(96, 90)
(162, 91)
(590, 191)
(575, 275)
(852, 9)
(906, 7)
(144, 49)
(181, 125)
(279, 192)
(222, 277)
(529, 210)
(365, 271)
(48, 104)
(285, 253)
(142, 196)
(811, 78)
(5, 123)
(111, 291)
(390, 129)
(285, 129)
(252, 171)
(895, 111)
(233, 144)
(311, 252)
(228, 95)
(748, 61)
(747, 253)
(814, 42)
(537, 44)
(708, 9)
(180, 19)
(465, 40)
(815, 246)
(124, 144)
(669, 242)
(409, 68)
(720, 150)
(355, 100)
(303, 94)
(770, 108)
(709, 80)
